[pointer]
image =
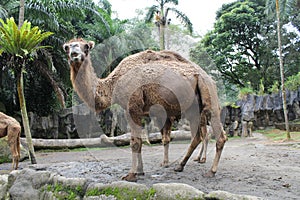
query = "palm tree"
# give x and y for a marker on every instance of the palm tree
(21, 13)
(65, 18)
(282, 9)
(20, 43)
(160, 12)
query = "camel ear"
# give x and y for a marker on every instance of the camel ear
(66, 47)
(91, 44)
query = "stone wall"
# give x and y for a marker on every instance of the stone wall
(252, 112)
(259, 112)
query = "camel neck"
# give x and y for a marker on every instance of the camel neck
(95, 92)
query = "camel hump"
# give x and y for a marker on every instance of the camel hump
(165, 55)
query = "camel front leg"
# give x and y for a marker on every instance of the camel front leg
(137, 162)
(135, 122)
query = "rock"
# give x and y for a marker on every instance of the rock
(176, 191)
(219, 195)
(25, 184)
(29, 184)
(124, 189)
(5, 154)
(3, 186)
(23, 189)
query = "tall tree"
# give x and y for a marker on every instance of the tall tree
(160, 13)
(20, 43)
(282, 8)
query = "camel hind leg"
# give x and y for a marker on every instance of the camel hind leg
(201, 157)
(197, 128)
(221, 139)
(13, 136)
(166, 138)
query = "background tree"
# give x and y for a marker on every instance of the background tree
(281, 12)
(243, 46)
(160, 13)
(20, 44)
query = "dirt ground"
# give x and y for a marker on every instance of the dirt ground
(252, 166)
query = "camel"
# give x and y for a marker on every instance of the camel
(160, 84)
(11, 128)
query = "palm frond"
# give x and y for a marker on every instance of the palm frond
(286, 6)
(175, 2)
(41, 15)
(151, 12)
(3, 12)
(23, 41)
(183, 19)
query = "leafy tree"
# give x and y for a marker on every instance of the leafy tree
(243, 46)
(20, 44)
(160, 13)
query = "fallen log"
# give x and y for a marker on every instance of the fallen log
(102, 141)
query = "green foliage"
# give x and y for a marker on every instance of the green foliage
(274, 88)
(20, 42)
(122, 193)
(62, 192)
(293, 82)
(243, 46)
(261, 90)
(278, 135)
(244, 92)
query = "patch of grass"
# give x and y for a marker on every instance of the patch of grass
(5, 159)
(123, 193)
(62, 192)
(278, 135)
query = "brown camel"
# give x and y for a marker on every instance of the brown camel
(161, 84)
(11, 128)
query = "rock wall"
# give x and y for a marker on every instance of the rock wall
(252, 112)
(259, 112)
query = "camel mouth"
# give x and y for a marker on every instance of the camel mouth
(75, 56)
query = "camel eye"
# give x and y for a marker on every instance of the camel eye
(86, 47)
(66, 48)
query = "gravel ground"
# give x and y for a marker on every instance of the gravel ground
(252, 166)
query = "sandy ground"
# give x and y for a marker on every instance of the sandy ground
(252, 166)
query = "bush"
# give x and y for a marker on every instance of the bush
(244, 92)
(293, 82)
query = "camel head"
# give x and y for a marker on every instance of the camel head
(77, 50)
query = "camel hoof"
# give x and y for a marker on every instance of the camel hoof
(203, 160)
(209, 174)
(178, 168)
(196, 159)
(140, 174)
(165, 164)
(131, 177)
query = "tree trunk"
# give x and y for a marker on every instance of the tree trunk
(21, 13)
(162, 37)
(25, 118)
(103, 141)
(282, 73)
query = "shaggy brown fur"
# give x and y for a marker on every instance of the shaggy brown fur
(161, 84)
(11, 128)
